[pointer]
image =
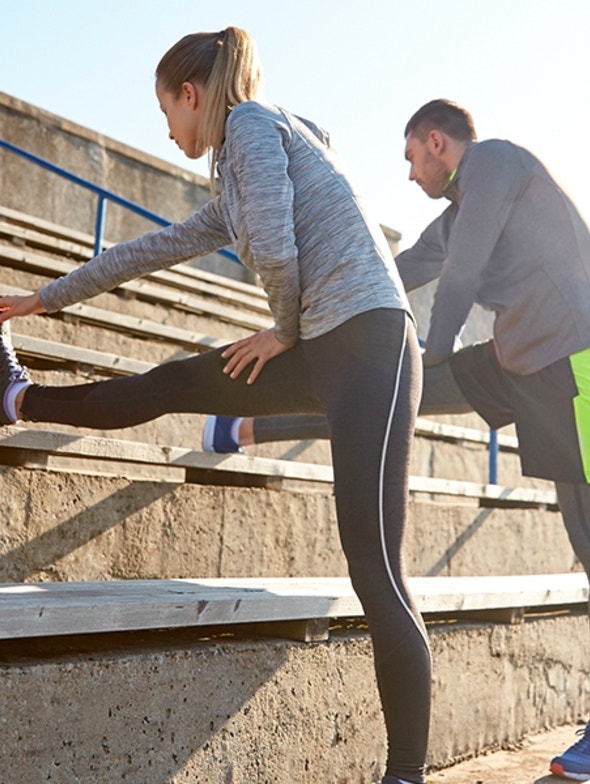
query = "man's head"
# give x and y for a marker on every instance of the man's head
(436, 138)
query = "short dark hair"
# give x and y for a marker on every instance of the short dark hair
(445, 116)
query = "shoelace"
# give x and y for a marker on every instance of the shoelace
(16, 371)
(584, 743)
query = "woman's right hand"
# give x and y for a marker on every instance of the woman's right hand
(12, 306)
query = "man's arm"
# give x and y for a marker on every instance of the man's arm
(423, 262)
(490, 184)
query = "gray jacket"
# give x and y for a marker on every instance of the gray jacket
(512, 241)
(294, 218)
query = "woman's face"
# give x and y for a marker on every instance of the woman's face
(184, 115)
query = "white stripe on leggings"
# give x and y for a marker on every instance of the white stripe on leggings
(382, 486)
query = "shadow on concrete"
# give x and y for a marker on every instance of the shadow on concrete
(46, 549)
(162, 707)
(460, 541)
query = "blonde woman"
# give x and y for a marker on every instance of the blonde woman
(343, 341)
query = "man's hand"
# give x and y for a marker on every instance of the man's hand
(20, 306)
(260, 347)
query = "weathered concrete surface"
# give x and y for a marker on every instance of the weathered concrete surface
(525, 762)
(170, 709)
(60, 526)
(168, 190)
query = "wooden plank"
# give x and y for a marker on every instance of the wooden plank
(49, 609)
(18, 438)
(119, 322)
(101, 361)
(429, 427)
(140, 288)
(24, 219)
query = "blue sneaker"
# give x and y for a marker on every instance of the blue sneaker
(575, 762)
(217, 435)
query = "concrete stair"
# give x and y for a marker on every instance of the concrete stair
(88, 513)
(459, 526)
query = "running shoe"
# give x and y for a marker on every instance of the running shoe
(574, 763)
(217, 435)
(11, 374)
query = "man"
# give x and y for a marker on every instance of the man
(512, 241)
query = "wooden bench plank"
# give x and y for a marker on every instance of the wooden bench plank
(119, 322)
(14, 437)
(49, 609)
(142, 289)
(30, 347)
(433, 429)
(29, 439)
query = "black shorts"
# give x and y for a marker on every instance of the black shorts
(550, 409)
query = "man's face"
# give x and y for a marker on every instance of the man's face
(426, 167)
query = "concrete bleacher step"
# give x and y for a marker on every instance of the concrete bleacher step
(117, 322)
(21, 230)
(144, 289)
(182, 297)
(226, 515)
(107, 337)
(54, 444)
(179, 293)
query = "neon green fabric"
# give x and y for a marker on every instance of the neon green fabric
(580, 364)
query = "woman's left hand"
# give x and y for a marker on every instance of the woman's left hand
(260, 347)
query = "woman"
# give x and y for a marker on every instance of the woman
(343, 342)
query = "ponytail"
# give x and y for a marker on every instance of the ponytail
(226, 63)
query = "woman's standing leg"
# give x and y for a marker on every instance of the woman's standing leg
(368, 376)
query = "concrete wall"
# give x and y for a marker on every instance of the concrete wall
(107, 527)
(168, 707)
(168, 190)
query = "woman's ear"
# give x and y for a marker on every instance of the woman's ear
(190, 94)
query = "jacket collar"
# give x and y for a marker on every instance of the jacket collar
(452, 190)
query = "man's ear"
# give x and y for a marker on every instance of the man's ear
(436, 142)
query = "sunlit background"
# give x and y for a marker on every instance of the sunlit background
(359, 69)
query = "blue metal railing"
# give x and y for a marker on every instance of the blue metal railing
(104, 196)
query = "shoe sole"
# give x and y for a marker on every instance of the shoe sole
(558, 770)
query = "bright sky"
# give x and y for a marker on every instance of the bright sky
(359, 69)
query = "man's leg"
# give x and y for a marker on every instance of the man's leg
(574, 503)
(441, 395)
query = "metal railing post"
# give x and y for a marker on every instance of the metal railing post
(493, 458)
(101, 209)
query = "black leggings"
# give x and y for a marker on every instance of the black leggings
(366, 376)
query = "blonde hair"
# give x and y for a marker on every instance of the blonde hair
(226, 63)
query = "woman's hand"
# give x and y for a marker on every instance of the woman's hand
(12, 306)
(260, 347)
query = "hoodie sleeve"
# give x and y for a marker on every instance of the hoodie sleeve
(202, 233)
(423, 262)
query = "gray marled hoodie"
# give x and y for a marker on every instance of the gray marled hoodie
(294, 219)
(512, 241)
